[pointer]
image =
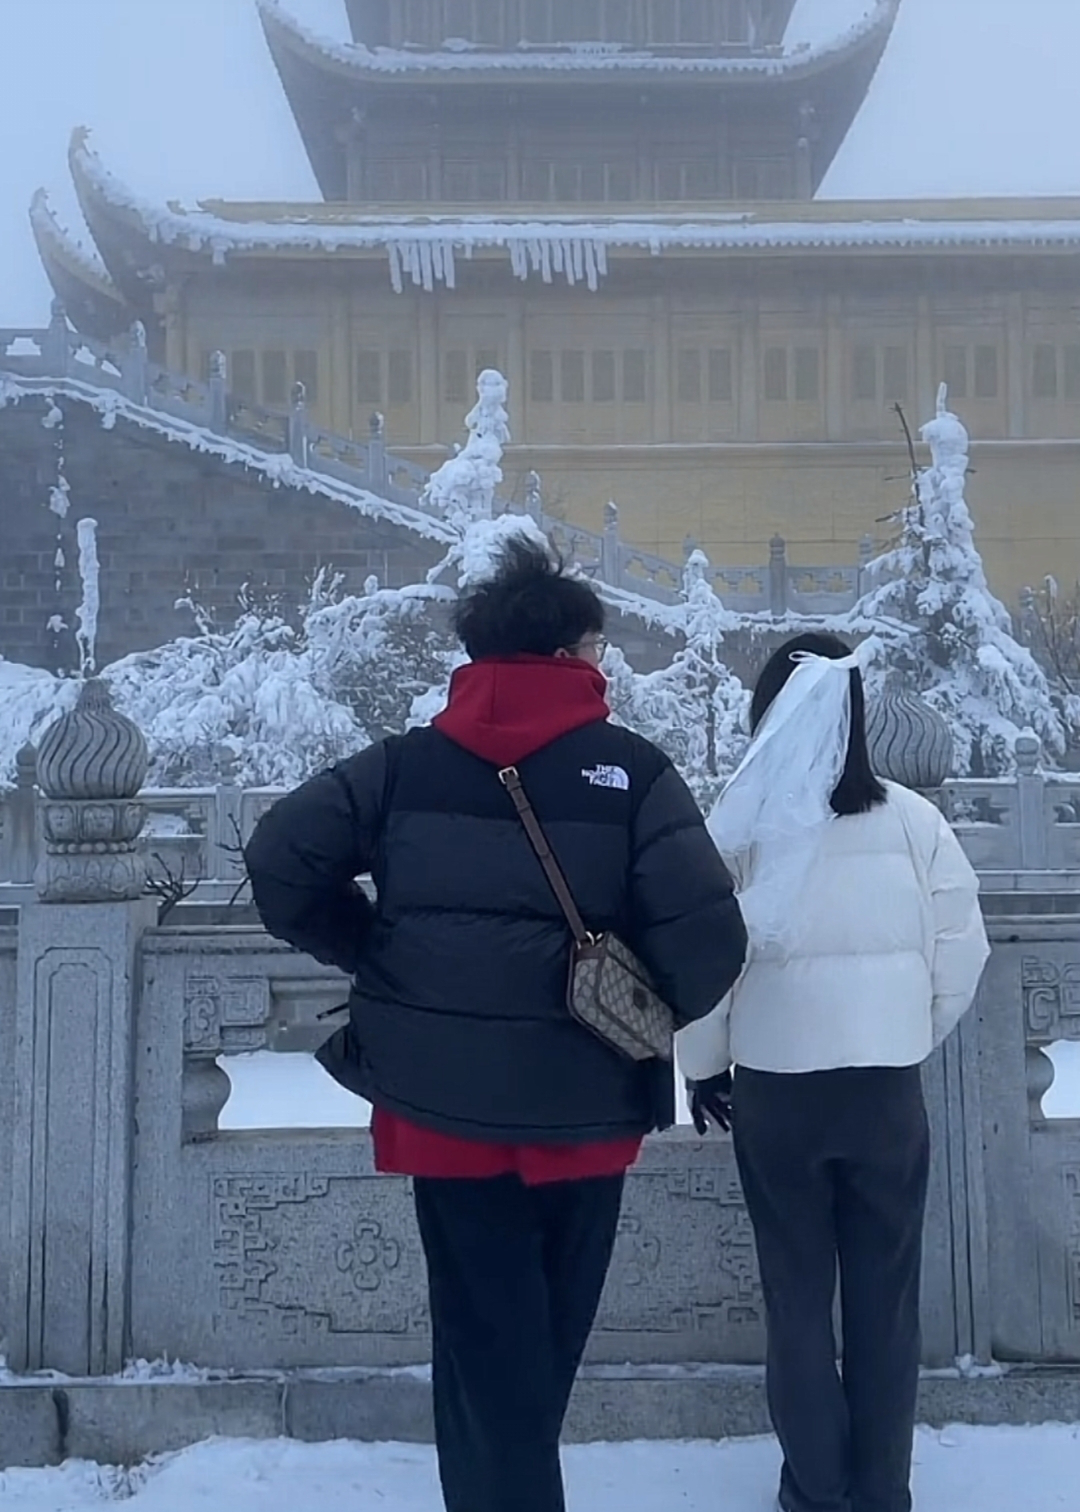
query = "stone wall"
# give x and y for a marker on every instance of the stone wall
(171, 521)
(283, 1249)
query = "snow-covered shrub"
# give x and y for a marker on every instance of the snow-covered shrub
(249, 700)
(30, 699)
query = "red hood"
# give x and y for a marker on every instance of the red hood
(503, 711)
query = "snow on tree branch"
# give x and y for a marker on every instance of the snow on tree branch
(695, 708)
(463, 489)
(960, 652)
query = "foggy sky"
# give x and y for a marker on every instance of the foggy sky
(974, 97)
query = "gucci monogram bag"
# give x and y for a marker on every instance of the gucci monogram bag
(609, 990)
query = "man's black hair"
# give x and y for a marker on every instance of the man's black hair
(530, 607)
(858, 790)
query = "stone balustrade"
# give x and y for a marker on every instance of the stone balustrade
(133, 1227)
(1016, 830)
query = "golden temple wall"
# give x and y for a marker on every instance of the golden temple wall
(725, 400)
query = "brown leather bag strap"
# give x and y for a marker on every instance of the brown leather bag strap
(511, 781)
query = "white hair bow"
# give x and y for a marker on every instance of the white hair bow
(769, 818)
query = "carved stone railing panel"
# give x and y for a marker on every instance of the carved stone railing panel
(259, 426)
(742, 589)
(293, 1252)
(176, 837)
(185, 398)
(1050, 986)
(1060, 813)
(985, 816)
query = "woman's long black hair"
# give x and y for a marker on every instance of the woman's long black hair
(858, 790)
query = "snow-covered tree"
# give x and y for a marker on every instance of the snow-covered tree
(381, 654)
(1050, 625)
(278, 700)
(960, 652)
(272, 699)
(462, 490)
(251, 699)
(695, 708)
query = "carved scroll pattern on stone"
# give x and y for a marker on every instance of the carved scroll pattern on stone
(369, 1256)
(1051, 994)
(303, 1257)
(225, 1015)
(684, 1258)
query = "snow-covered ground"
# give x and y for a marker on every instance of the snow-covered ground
(272, 1091)
(1063, 1098)
(958, 1470)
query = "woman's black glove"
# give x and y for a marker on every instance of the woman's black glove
(711, 1100)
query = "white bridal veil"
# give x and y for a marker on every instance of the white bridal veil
(768, 819)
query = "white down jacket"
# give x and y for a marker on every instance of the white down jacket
(889, 960)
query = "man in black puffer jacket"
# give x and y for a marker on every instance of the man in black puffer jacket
(516, 1123)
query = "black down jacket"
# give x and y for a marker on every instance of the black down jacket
(458, 1010)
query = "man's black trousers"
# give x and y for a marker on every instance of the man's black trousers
(515, 1276)
(834, 1167)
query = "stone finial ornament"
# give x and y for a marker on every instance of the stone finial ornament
(92, 752)
(910, 742)
(1028, 753)
(91, 764)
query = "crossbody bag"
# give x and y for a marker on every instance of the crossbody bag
(609, 991)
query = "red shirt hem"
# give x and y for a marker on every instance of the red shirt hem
(404, 1149)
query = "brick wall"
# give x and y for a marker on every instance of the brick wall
(170, 522)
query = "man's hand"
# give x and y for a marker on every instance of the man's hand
(711, 1101)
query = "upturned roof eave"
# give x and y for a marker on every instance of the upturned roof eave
(408, 68)
(62, 255)
(145, 243)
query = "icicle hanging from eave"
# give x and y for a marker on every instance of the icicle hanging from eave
(393, 251)
(426, 263)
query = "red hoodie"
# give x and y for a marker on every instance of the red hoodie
(503, 711)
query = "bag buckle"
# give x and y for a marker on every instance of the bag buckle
(507, 774)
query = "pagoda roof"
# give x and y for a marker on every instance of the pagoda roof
(326, 80)
(425, 249)
(79, 279)
(355, 59)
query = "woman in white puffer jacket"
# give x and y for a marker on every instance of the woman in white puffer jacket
(867, 945)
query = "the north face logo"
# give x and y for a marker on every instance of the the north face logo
(607, 777)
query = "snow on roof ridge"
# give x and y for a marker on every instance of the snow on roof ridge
(277, 467)
(390, 60)
(423, 251)
(47, 225)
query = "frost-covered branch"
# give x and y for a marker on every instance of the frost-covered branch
(960, 651)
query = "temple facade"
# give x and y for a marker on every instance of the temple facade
(615, 203)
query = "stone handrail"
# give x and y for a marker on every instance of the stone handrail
(1027, 824)
(124, 367)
